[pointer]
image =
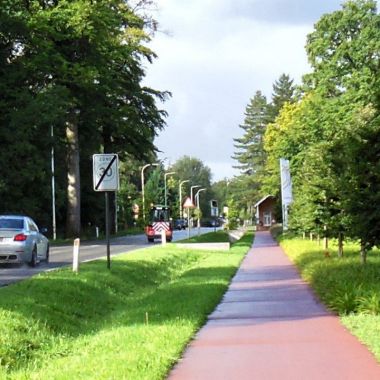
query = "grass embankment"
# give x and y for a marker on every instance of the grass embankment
(90, 236)
(132, 322)
(344, 285)
(211, 237)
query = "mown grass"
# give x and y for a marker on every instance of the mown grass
(132, 322)
(344, 285)
(211, 237)
(90, 236)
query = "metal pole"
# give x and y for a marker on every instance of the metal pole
(53, 185)
(116, 212)
(180, 197)
(108, 232)
(166, 193)
(198, 208)
(191, 192)
(142, 190)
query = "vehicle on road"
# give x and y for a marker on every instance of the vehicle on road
(211, 222)
(159, 220)
(180, 224)
(21, 241)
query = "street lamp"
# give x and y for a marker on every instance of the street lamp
(197, 197)
(166, 192)
(180, 196)
(142, 186)
(191, 191)
(198, 208)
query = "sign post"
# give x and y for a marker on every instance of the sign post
(106, 179)
(214, 211)
(188, 204)
(286, 191)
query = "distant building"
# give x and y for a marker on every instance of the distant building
(265, 213)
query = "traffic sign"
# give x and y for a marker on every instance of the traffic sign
(188, 203)
(105, 172)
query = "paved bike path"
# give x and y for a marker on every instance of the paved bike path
(270, 326)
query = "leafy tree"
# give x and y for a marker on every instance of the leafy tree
(260, 177)
(154, 188)
(192, 169)
(346, 73)
(78, 66)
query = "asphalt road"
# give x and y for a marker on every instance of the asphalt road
(63, 255)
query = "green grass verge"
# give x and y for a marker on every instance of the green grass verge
(211, 237)
(344, 285)
(92, 237)
(132, 322)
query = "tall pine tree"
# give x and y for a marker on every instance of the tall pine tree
(250, 151)
(283, 92)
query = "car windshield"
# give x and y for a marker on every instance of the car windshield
(159, 215)
(12, 224)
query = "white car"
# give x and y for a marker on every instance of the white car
(21, 241)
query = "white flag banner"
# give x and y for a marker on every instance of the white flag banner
(286, 190)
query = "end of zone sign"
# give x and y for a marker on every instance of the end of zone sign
(105, 172)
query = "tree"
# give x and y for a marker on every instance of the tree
(250, 153)
(346, 73)
(283, 92)
(192, 169)
(79, 66)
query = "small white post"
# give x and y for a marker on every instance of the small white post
(97, 232)
(76, 255)
(163, 237)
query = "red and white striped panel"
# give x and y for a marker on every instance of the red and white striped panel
(158, 227)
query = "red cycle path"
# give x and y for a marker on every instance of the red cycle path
(270, 326)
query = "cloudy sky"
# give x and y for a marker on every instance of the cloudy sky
(214, 56)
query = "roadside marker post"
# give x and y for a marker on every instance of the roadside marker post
(163, 237)
(76, 255)
(106, 179)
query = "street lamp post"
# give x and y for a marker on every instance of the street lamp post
(166, 193)
(198, 208)
(142, 186)
(191, 196)
(191, 191)
(180, 197)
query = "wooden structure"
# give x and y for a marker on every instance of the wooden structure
(265, 213)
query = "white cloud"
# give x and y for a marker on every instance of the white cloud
(217, 55)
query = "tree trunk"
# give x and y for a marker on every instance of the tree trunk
(325, 238)
(340, 244)
(363, 252)
(73, 222)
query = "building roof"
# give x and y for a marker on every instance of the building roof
(262, 200)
